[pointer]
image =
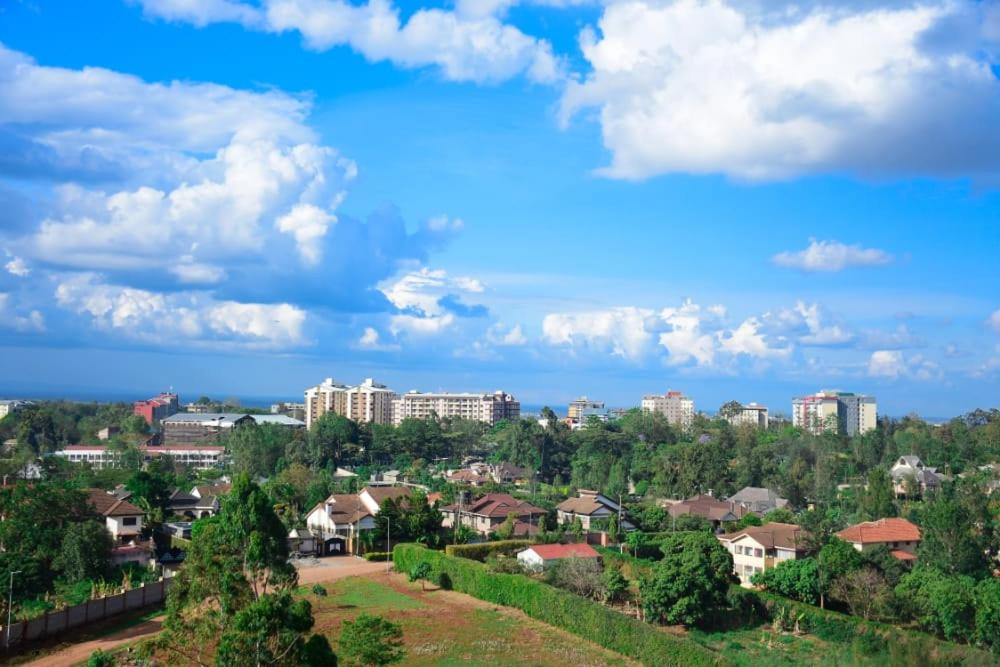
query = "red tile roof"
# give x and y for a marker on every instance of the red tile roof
(556, 551)
(902, 555)
(883, 530)
(106, 504)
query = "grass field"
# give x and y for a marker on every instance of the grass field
(451, 629)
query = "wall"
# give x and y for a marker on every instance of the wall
(57, 622)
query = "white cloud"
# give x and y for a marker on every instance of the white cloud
(893, 364)
(831, 256)
(465, 46)
(715, 86)
(422, 295)
(370, 340)
(748, 339)
(624, 331)
(498, 334)
(423, 325)
(190, 272)
(994, 321)
(685, 340)
(308, 224)
(17, 267)
(181, 318)
(33, 322)
(808, 325)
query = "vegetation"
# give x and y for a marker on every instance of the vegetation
(371, 641)
(690, 583)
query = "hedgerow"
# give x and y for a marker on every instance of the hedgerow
(483, 550)
(559, 608)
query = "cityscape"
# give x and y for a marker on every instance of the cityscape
(589, 332)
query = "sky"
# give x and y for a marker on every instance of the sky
(740, 200)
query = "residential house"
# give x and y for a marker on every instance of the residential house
(508, 473)
(218, 489)
(901, 536)
(542, 556)
(909, 474)
(757, 500)
(487, 513)
(192, 506)
(710, 508)
(301, 541)
(759, 548)
(467, 476)
(338, 522)
(123, 521)
(590, 507)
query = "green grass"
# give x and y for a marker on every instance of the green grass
(370, 596)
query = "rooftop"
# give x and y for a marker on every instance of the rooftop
(884, 530)
(556, 551)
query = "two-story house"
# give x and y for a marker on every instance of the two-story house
(590, 507)
(124, 521)
(759, 548)
(909, 475)
(338, 522)
(901, 536)
(485, 514)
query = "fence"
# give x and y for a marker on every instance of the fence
(91, 611)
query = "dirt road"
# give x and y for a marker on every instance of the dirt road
(324, 569)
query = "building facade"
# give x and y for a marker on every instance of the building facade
(10, 407)
(675, 406)
(843, 412)
(582, 407)
(155, 410)
(751, 414)
(369, 401)
(759, 548)
(200, 429)
(486, 408)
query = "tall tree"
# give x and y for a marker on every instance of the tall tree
(691, 581)
(85, 552)
(878, 498)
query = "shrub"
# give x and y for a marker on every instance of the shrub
(562, 609)
(319, 589)
(483, 550)
(378, 555)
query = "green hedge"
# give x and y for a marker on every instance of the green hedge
(378, 555)
(559, 608)
(633, 568)
(482, 550)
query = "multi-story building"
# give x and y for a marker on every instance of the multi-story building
(843, 412)
(293, 410)
(327, 396)
(753, 414)
(193, 429)
(10, 407)
(99, 457)
(758, 548)
(675, 406)
(487, 408)
(369, 401)
(155, 410)
(582, 407)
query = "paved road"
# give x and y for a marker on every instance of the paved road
(310, 572)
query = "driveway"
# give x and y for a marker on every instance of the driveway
(331, 568)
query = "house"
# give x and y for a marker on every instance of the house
(191, 505)
(710, 508)
(389, 477)
(301, 540)
(757, 500)
(485, 514)
(589, 507)
(343, 473)
(759, 548)
(338, 522)
(467, 476)
(901, 536)
(123, 521)
(541, 556)
(217, 489)
(508, 473)
(909, 473)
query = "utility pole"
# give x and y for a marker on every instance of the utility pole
(10, 607)
(388, 552)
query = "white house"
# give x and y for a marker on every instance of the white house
(541, 556)
(124, 521)
(589, 506)
(759, 548)
(911, 470)
(338, 522)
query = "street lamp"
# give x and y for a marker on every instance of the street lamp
(10, 607)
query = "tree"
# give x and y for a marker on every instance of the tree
(256, 448)
(506, 529)
(270, 631)
(582, 576)
(730, 409)
(878, 499)
(371, 641)
(865, 592)
(950, 541)
(151, 490)
(615, 585)
(797, 579)
(839, 559)
(613, 529)
(420, 572)
(940, 603)
(780, 515)
(988, 613)
(691, 581)
(85, 552)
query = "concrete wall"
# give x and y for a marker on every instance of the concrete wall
(91, 611)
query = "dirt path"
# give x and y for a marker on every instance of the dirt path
(79, 653)
(328, 570)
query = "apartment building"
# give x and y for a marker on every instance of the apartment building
(753, 414)
(99, 457)
(675, 406)
(369, 401)
(487, 408)
(583, 407)
(327, 396)
(154, 410)
(843, 412)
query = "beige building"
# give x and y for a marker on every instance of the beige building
(487, 408)
(753, 414)
(759, 548)
(582, 406)
(843, 412)
(369, 401)
(675, 406)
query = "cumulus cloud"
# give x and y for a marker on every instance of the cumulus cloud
(685, 338)
(17, 267)
(464, 46)
(429, 300)
(831, 256)
(372, 340)
(624, 331)
(893, 364)
(180, 318)
(715, 86)
(498, 334)
(32, 322)
(808, 325)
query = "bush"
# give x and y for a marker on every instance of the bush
(100, 659)
(584, 618)
(483, 550)
(378, 556)
(319, 589)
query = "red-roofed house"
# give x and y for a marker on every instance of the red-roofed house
(901, 536)
(487, 513)
(541, 556)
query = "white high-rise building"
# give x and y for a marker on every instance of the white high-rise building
(366, 402)
(843, 412)
(675, 406)
(487, 408)
(751, 413)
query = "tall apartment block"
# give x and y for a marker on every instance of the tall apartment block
(675, 406)
(155, 410)
(487, 408)
(366, 402)
(582, 407)
(750, 413)
(844, 412)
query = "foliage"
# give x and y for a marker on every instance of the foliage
(987, 603)
(100, 659)
(691, 581)
(371, 641)
(562, 609)
(865, 591)
(941, 603)
(615, 585)
(483, 550)
(582, 576)
(271, 631)
(797, 579)
(419, 571)
(950, 540)
(85, 552)
(318, 589)
(378, 555)
(504, 564)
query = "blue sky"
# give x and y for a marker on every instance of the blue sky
(559, 197)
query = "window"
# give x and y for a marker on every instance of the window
(758, 553)
(129, 521)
